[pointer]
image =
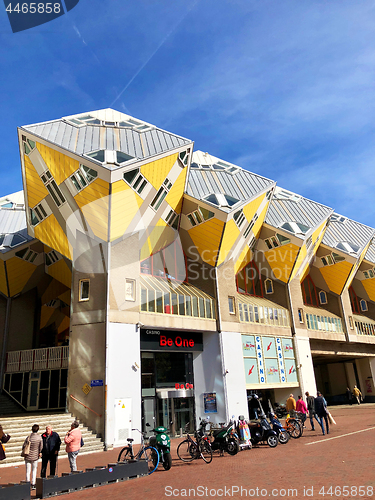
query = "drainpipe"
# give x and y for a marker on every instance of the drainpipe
(5, 342)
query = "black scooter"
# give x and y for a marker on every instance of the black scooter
(224, 439)
(261, 432)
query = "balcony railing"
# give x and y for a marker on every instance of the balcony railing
(37, 359)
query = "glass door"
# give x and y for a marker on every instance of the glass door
(33, 391)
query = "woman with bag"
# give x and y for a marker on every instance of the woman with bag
(4, 438)
(73, 440)
(31, 451)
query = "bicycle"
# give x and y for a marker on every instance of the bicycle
(147, 453)
(293, 427)
(189, 450)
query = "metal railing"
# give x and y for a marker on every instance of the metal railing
(37, 359)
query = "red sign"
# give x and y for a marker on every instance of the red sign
(183, 387)
(177, 341)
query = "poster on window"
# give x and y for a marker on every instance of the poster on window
(210, 405)
(251, 371)
(248, 346)
(290, 370)
(269, 349)
(288, 348)
(272, 371)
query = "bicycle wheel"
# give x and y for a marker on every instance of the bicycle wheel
(187, 451)
(124, 455)
(205, 451)
(151, 455)
(294, 430)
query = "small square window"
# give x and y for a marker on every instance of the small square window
(231, 305)
(323, 297)
(300, 315)
(129, 289)
(84, 290)
(363, 305)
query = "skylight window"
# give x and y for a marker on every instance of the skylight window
(97, 155)
(2, 236)
(338, 218)
(347, 247)
(295, 227)
(287, 195)
(17, 240)
(122, 157)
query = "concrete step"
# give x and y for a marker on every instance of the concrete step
(18, 428)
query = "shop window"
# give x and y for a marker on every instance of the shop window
(231, 304)
(323, 297)
(248, 280)
(363, 305)
(268, 286)
(310, 296)
(84, 290)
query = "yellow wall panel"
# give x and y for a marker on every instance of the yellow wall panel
(60, 165)
(50, 233)
(207, 237)
(250, 209)
(61, 272)
(3, 281)
(335, 276)
(125, 203)
(65, 297)
(175, 195)
(63, 325)
(244, 259)
(281, 260)
(369, 286)
(156, 171)
(231, 233)
(45, 315)
(36, 191)
(94, 203)
(19, 272)
(161, 236)
(54, 290)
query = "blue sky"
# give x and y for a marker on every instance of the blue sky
(284, 89)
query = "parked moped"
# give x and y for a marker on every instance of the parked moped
(278, 428)
(261, 432)
(224, 439)
(162, 442)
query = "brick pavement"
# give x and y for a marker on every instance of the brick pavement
(346, 460)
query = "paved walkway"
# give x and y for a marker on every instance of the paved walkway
(345, 457)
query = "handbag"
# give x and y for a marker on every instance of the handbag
(26, 447)
(330, 418)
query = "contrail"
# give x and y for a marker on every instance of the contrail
(152, 55)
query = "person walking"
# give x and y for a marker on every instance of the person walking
(254, 406)
(311, 408)
(73, 444)
(302, 409)
(4, 438)
(31, 459)
(321, 411)
(51, 448)
(291, 405)
(357, 394)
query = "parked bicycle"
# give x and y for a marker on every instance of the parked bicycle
(293, 427)
(189, 450)
(147, 453)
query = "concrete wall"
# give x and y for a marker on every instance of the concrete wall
(306, 374)
(22, 319)
(123, 377)
(209, 377)
(235, 382)
(337, 378)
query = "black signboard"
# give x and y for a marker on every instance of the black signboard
(170, 340)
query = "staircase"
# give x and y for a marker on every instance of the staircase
(19, 426)
(9, 407)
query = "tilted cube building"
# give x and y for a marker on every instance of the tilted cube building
(144, 282)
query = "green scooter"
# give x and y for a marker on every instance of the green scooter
(162, 442)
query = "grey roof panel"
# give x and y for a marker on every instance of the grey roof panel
(60, 133)
(81, 140)
(137, 144)
(348, 231)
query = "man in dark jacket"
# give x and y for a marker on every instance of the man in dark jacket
(321, 411)
(51, 448)
(310, 400)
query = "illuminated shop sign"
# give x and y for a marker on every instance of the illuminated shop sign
(170, 340)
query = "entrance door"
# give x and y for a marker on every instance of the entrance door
(148, 413)
(33, 391)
